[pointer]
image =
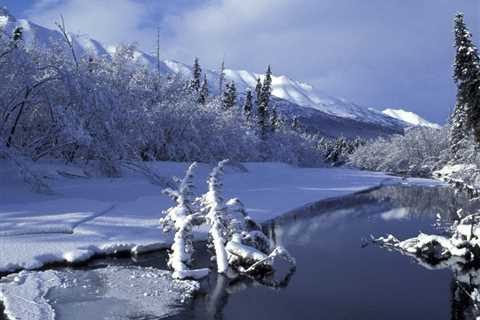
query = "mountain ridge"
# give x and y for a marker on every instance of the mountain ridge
(410, 117)
(298, 98)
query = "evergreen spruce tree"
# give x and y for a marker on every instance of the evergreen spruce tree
(262, 103)
(296, 124)
(248, 105)
(275, 120)
(466, 75)
(233, 94)
(17, 37)
(203, 95)
(267, 88)
(262, 117)
(229, 96)
(18, 34)
(466, 115)
(457, 131)
(258, 91)
(197, 75)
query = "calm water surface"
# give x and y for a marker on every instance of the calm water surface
(338, 275)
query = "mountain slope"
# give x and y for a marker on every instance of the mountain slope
(411, 118)
(318, 112)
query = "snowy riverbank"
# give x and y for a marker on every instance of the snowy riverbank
(89, 216)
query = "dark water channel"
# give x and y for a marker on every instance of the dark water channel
(339, 275)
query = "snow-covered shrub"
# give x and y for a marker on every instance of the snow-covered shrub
(181, 218)
(236, 239)
(419, 152)
(113, 109)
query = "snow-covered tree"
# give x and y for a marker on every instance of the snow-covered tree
(466, 115)
(182, 218)
(274, 120)
(263, 101)
(458, 132)
(237, 240)
(266, 88)
(196, 82)
(419, 151)
(203, 94)
(467, 78)
(248, 104)
(229, 96)
(296, 123)
(17, 34)
(258, 92)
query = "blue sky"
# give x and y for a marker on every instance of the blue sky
(380, 53)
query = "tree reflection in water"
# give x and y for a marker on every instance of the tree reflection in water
(217, 290)
(465, 286)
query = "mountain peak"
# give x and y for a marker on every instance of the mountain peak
(303, 96)
(410, 118)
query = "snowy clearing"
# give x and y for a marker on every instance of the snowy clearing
(90, 216)
(109, 293)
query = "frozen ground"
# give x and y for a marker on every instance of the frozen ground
(88, 216)
(109, 293)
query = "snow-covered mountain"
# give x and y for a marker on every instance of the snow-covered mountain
(320, 113)
(409, 117)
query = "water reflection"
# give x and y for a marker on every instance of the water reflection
(389, 203)
(336, 277)
(465, 285)
(220, 288)
(417, 201)
(463, 307)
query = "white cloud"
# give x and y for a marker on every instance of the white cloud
(110, 21)
(376, 52)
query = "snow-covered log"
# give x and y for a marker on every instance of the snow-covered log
(464, 242)
(431, 247)
(238, 251)
(278, 252)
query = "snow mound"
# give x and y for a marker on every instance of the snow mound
(410, 118)
(109, 293)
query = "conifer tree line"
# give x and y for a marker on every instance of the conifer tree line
(257, 110)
